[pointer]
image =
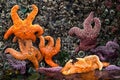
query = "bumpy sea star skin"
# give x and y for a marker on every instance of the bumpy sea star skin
(24, 29)
(17, 64)
(108, 51)
(86, 64)
(49, 70)
(88, 35)
(27, 52)
(49, 50)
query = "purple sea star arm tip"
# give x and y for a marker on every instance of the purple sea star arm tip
(112, 67)
(87, 21)
(97, 26)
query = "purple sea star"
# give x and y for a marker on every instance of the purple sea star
(106, 52)
(88, 35)
(51, 71)
(17, 64)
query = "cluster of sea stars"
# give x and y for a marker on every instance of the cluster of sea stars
(81, 65)
(26, 33)
(88, 37)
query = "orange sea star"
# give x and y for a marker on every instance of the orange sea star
(27, 52)
(49, 50)
(86, 64)
(24, 29)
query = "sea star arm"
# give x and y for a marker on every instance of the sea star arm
(33, 56)
(37, 29)
(55, 50)
(50, 41)
(33, 50)
(28, 44)
(32, 15)
(105, 64)
(22, 46)
(75, 31)
(100, 54)
(32, 53)
(42, 42)
(50, 62)
(36, 53)
(35, 63)
(87, 22)
(94, 59)
(67, 67)
(77, 49)
(49, 70)
(39, 56)
(15, 39)
(90, 46)
(97, 26)
(15, 53)
(8, 33)
(100, 65)
(16, 19)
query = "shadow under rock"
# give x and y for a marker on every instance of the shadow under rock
(93, 75)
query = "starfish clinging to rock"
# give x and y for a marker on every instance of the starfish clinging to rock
(49, 50)
(27, 52)
(86, 64)
(24, 29)
(88, 35)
